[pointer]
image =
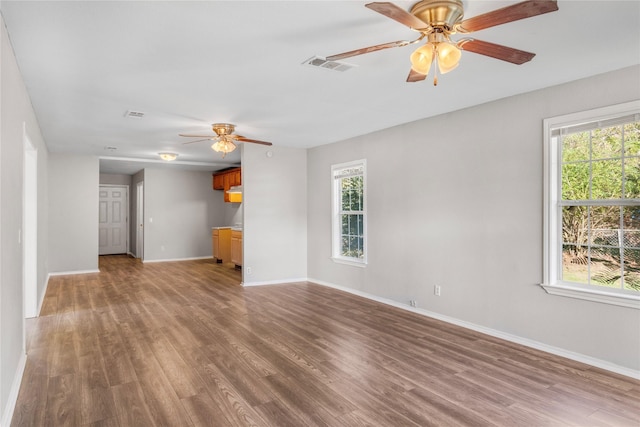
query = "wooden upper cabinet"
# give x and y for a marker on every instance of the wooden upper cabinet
(218, 182)
(236, 178)
(227, 179)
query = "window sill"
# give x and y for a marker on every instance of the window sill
(604, 297)
(361, 264)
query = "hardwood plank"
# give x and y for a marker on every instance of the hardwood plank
(204, 411)
(31, 407)
(279, 415)
(181, 343)
(96, 405)
(182, 379)
(130, 406)
(63, 397)
(231, 403)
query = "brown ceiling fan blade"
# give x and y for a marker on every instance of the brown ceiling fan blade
(197, 136)
(398, 14)
(198, 140)
(414, 76)
(364, 50)
(255, 141)
(525, 9)
(509, 54)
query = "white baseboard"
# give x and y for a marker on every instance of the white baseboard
(10, 407)
(65, 273)
(176, 259)
(275, 282)
(578, 357)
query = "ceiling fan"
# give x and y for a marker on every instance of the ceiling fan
(224, 138)
(437, 20)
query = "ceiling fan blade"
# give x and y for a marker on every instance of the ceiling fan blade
(198, 140)
(364, 50)
(509, 54)
(255, 141)
(414, 76)
(197, 136)
(398, 14)
(525, 9)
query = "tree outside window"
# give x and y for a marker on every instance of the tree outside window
(349, 217)
(599, 171)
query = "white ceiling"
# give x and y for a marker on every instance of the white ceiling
(189, 64)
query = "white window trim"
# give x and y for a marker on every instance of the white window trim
(552, 227)
(335, 216)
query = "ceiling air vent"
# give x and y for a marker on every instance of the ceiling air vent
(134, 114)
(317, 61)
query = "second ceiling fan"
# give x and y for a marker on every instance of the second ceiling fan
(437, 20)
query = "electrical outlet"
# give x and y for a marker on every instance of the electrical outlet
(249, 271)
(413, 303)
(436, 290)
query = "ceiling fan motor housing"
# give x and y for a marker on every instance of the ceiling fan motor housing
(439, 13)
(223, 128)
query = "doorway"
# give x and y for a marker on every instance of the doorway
(113, 237)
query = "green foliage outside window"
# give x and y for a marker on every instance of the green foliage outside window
(352, 206)
(601, 239)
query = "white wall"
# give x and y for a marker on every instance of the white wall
(16, 118)
(73, 213)
(458, 203)
(180, 209)
(232, 211)
(115, 179)
(275, 213)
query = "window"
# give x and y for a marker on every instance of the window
(592, 196)
(349, 223)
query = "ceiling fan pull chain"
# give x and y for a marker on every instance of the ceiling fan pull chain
(435, 72)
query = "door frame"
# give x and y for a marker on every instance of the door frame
(140, 220)
(29, 234)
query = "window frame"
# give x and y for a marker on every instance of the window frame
(336, 223)
(552, 221)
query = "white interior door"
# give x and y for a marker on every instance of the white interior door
(113, 221)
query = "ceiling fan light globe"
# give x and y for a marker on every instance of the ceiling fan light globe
(223, 146)
(421, 59)
(448, 57)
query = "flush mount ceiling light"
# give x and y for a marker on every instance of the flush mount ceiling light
(224, 138)
(436, 20)
(168, 156)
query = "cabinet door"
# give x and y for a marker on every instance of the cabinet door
(227, 183)
(235, 178)
(215, 236)
(218, 182)
(236, 247)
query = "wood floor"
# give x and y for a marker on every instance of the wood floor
(181, 344)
